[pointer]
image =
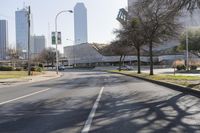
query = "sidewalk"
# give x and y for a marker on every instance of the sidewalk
(29, 79)
(164, 71)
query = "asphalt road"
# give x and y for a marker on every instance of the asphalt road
(97, 102)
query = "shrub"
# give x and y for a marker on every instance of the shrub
(33, 69)
(18, 69)
(177, 63)
(6, 68)
(41, 65)
(181, 67)
(193, 67)
(39, 69)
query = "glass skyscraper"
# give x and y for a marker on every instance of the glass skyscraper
(3, 38)
(21, 21)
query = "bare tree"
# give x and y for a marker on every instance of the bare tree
(194, 42)
(136, 37)
(48, 56)
(188, 4)
(177, 5)
(13, 55)
(119, 47)
(159, 22)
(37, 59)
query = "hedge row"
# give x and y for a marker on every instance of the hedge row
(6, 68)
(183, 67)
(9, 68)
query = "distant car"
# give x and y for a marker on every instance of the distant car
(61, 68)
(129, 67)
(125, 68)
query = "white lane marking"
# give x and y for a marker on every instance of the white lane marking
(25, 96)
(92, 114)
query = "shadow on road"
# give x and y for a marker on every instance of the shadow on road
(45, 116)
(118, 112)
(136, 113)
(85, 80)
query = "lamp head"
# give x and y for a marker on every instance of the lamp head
(70, 11)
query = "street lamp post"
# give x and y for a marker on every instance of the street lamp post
(56, 36)
(187, 49)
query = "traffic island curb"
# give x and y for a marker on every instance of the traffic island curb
(28, 80)
(172, 86)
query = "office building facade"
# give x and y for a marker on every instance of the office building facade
(3, 39)
(21, 21)
(80, 24)
(131, 2)
(39, 44)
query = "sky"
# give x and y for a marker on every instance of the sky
(101, 18)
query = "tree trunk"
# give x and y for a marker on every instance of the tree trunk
(138, 60)
(151, 57)
(124, 60)
(52, 64)
(120, 62)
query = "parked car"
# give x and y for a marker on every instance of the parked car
(126, 67)
(129, 67)
(61, 68)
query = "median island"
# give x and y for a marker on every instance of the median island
(182, 80)
(7, 72)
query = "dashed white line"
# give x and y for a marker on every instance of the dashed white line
(88, 123)
(25, 96)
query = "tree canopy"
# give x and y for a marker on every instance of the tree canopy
(193, 41)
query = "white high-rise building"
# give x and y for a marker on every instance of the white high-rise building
(80, 24)
(21, 21)
(3, 38)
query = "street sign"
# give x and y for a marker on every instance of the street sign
(53, 38)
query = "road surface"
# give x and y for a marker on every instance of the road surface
(97, 102)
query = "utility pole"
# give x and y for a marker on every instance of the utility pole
(29, 25)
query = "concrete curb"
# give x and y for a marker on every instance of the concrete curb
(15, 81)
(27, 81)
(172, 86)
(52, 78)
